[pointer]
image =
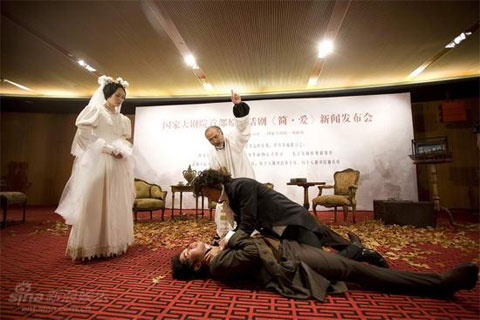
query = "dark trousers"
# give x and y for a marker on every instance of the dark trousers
(335, 267)
(321, 237)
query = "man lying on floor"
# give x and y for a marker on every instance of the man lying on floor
(301, 271)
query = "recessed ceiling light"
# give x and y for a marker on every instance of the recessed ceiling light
(417, 71)
(207, 86)
(325, 48)
(18, 85)
(451, 45)
(455, 42)
(190, 61)
(86, 66)
(312, 81)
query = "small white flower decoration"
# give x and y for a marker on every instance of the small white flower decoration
(124, 83)
(104, 80)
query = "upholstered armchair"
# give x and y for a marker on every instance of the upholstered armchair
(344, 193)
(149, 197)
(212, 204)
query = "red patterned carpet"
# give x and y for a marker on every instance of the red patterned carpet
(39, 281)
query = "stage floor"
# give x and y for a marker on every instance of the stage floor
(39, 281)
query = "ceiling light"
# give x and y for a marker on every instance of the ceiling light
(190, 61)
(455, 42)
(450, 45)
(86, 66)
(325, 48)
(312, 81)
(460, 38)
(207, 86)
(417, 71)
(17, 85)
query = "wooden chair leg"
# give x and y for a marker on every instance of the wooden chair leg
(151, 214)
(314, 207)
(211, 211)
(24, 207)
(135, 215)
(345, 214)
(163, 213)
(353, 210)
(335, 214)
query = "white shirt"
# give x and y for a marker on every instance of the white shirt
(233, 157)
(224, 216)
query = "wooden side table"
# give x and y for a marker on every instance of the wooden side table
(305, 186)
(182, 189)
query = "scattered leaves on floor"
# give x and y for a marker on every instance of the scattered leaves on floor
(56, 227)
(405, 243)
(157, 279)
(173, 234)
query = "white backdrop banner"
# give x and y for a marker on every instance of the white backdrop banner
(291, 138)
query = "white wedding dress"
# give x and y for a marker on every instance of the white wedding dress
(97, 200)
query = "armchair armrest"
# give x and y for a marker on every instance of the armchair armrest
(321, 187)
(353, 190)
(156, 192)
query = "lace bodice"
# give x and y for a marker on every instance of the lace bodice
(111, 126)
(97, 122)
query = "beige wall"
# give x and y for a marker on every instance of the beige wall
(43, 140)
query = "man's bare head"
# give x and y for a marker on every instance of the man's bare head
(189, 264)
(214, 135)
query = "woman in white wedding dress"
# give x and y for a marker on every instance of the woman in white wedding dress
(97, 200)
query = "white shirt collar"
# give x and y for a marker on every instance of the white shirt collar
(222, 147)
(223, 195)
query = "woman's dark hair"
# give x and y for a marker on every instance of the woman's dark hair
(111, 88)
(211, 179)
(185, 271)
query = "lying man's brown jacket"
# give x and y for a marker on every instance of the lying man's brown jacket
(301, 271)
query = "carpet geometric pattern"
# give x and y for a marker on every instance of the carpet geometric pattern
(39, 281)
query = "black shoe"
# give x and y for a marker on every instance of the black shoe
(372, 257)
(462, 277)
(354, 238)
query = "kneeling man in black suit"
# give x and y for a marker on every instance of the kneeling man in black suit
(257, 207)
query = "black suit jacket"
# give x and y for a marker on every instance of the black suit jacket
(258, 207)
